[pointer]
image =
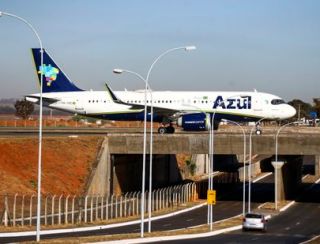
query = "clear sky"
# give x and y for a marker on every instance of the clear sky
(270, 45)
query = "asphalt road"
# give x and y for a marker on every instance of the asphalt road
(299, 223)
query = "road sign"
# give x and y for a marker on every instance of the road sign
(211, 197)
(313, 115)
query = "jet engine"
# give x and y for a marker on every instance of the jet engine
(194, 122)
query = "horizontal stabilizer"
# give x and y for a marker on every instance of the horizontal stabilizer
(36, 99)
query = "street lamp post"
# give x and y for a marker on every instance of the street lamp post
(211, 153)
(40, 121)
(210, 156)
(244, 164)
(278, 164)
(147, 87)
(120, 71)
(250, 165)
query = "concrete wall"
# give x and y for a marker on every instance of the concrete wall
(201, 161)
(99, 179)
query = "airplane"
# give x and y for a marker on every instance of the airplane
(190, 110)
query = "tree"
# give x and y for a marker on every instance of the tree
(303, 108)
(24, 108)
(316, 106)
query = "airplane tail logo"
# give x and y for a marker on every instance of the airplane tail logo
(54, 80)
(49, 72)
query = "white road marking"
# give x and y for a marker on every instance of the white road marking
(307, 241)
(261, 177)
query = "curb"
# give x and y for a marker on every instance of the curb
(99, 227)
(287, 206)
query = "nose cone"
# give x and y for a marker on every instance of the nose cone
(292, 111)
(289, 111)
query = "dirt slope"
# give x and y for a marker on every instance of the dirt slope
(66, 164)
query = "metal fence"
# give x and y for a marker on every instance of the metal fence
(59, 209)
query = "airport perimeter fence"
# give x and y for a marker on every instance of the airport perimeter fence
(46, 123)
(67, 123)
(20, 210)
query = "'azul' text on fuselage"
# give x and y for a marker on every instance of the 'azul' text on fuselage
(233, 103)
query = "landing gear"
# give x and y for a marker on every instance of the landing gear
(162, 130)
(166, 129)
(258, 129)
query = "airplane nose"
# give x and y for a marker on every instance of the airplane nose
(291, 111)
(287, 112)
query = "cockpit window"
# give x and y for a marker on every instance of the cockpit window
(277, 101)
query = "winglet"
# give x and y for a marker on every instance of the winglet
(118, 100)
(113, 96)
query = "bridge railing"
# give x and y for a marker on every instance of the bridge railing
(20, 210)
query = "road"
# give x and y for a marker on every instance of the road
(299, 223)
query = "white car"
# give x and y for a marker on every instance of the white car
(254, 221)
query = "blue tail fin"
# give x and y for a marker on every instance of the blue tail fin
(54, 80)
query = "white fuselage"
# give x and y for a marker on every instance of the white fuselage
(241, 104)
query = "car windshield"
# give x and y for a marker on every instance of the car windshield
(254, 216)
(277, 101)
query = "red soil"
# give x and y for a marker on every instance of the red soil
(66, 164)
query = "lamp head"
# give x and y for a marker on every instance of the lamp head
(118, 71)
(1, 14)
(190, 48)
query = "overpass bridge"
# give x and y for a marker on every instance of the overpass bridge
(224, 143)
(120, 158)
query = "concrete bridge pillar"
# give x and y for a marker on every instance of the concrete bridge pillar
(317, 165)
(279, 185)
(288, 173)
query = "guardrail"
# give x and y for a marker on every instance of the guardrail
(60, 209)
